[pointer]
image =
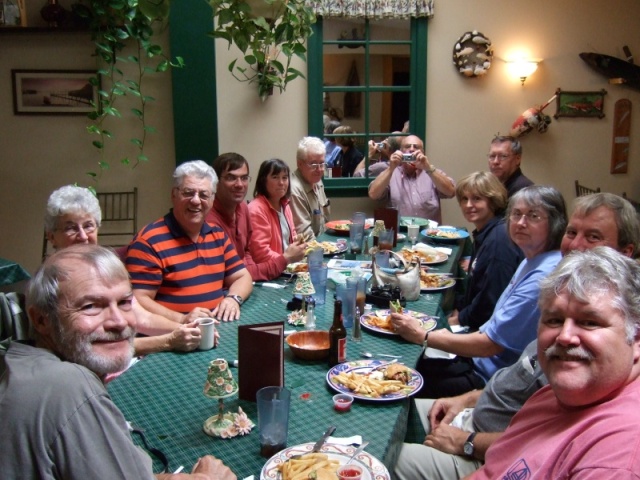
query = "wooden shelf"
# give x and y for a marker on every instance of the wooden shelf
(27, 30)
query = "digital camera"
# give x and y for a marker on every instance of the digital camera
(380, 146)
(407, 157)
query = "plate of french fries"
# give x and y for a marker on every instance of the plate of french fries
(329, 248)
(426, 258)
(321, 465)
(365, 379)
(433, 282)
(380, 321)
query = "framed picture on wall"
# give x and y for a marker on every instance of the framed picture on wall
(580, 104)
(54, 92)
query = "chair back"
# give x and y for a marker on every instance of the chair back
(119, 217)
(581, 190)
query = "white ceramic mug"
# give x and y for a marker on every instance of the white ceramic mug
(208, 332)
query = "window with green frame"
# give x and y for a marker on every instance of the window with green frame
(371, 75)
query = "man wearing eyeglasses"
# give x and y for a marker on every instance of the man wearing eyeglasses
(182, 267)
(309, 204)
(412, 184)
(505, 155)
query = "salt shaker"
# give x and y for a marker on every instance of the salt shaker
(310, 321)
(356, 336)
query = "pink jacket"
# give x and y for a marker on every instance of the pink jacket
(265, 243)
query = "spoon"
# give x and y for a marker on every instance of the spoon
(371, 355)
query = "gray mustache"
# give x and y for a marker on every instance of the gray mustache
(578, 352)
(125, 334)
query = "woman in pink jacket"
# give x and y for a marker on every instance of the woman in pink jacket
(274, 234)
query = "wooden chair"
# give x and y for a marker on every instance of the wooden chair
(635, 204)
(119, 217)
(581, 190)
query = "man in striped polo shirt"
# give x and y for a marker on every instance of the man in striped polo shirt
(182, 267)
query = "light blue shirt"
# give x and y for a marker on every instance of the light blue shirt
(514, 322)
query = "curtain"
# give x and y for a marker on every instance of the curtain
(372, 9)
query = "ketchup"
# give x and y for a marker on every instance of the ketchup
(342, 405)
(349, 473)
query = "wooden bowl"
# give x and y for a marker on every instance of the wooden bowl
(309, 345)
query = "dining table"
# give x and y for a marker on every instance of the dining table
(11, 272)
(163, 392)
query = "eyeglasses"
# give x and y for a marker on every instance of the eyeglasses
(499, 156)
(73, 229)
(316, 166)
(532, 217)
(204, 195)
(230, 178)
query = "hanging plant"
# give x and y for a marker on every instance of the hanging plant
(116, 25)
(268, 42)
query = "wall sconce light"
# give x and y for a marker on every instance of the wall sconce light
(523, 68)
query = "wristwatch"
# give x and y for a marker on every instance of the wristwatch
(468, 445)
(426, 338)
(431, 170)
(237, 298)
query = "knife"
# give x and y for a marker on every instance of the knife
(357, 452)
(318, 445)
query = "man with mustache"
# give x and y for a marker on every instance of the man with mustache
(57, 419)
(584, 424)
(412, 184)
(461, 429)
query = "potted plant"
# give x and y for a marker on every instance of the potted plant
(264, 36)
(122, 31)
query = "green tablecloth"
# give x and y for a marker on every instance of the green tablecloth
(163, 392)
(11, 272)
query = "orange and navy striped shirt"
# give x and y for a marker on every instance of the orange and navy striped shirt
(184, 274)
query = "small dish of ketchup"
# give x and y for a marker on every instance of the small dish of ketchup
(342, 402)
(349, 472)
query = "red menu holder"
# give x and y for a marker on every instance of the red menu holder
(260, 358)
(390, 218)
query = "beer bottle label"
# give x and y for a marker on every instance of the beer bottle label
(342, 350)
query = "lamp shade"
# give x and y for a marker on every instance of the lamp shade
(304, 286)
(220, 383)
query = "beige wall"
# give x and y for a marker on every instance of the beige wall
(39, 154)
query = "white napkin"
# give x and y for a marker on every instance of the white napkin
(355, 440)
(435, 353)
(428, 249)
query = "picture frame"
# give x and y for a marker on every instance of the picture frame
(580, 104)
(54, 92)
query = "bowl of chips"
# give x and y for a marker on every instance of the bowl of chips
(309, 345)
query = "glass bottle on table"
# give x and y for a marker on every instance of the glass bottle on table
(337, 337)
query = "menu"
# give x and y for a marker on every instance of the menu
(260, 358)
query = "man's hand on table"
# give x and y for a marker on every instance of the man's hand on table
(227, 310)
(198, 312)
(187, 337)
(206, 468)
(408, 327)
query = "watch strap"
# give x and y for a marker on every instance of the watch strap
(425, 341)
(237, 298)
(468, 444)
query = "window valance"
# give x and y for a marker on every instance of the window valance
(372, 9)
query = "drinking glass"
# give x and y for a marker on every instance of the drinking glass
(359, 217)
(347, 293)
(412, 232)
(318, 276)
(273, 419)
(356, 237)
(315, 257)
(385, 239)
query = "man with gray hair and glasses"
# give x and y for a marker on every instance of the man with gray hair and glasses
(58, 420)
(505, 155)
(309, 204)
(182, 267)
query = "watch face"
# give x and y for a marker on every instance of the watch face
(468, 448)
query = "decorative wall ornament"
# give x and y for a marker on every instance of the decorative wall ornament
(580, 104)
(532, 118)
(472, 54)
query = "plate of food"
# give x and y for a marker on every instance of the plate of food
(376, 380)
(342, 227)
(445, 234)
(426, 258)
(329, 248)
(421, 222)
(433, 282)
(380, 321)
(296, 267)
(324, 463)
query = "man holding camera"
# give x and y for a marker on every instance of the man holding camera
(416, 187)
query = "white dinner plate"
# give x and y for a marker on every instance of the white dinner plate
(372, 468)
